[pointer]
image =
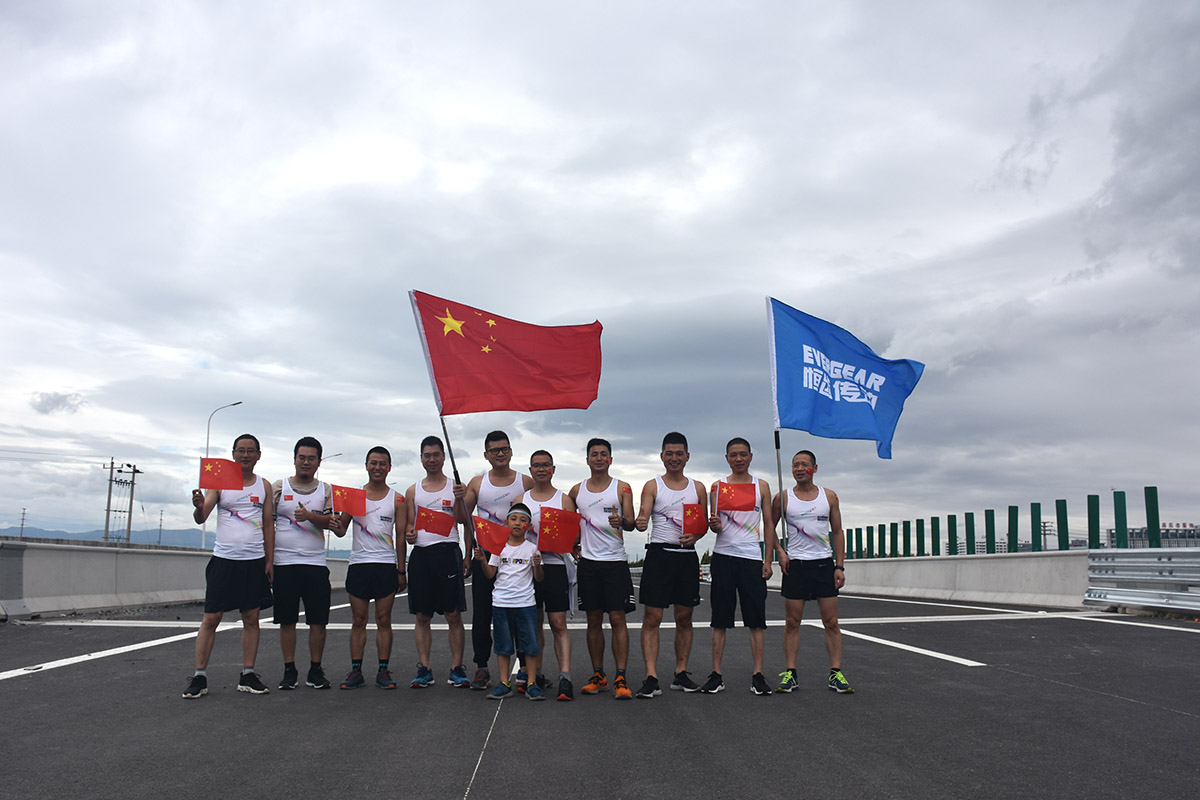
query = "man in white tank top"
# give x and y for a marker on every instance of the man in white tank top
(605, 586)
(813, 566)
(492, 494)
(437, 566)
(238, 576)
(671, 573)
(303, 512)
(553, 592)
(741, 564)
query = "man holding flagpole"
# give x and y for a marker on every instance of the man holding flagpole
(741, 562)
(671, 573)
(553, 592)
(813, 566)
(376, 570)
(436, 568)
(493, 494)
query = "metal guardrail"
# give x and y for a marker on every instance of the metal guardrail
(1161, 579)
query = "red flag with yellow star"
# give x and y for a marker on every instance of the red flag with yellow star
(735, 496)
(558, 530)
(479, 361)
(220, 473)
(350, 501)
(695, 521)
(432, 521)
(489, 535)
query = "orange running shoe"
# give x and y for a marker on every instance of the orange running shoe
(621, 689)
(595, 683)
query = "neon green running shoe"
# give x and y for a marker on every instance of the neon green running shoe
(787, 682)
(837, 682)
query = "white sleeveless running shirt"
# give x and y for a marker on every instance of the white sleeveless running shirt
(598, 541)
(494, 501)
(667, 516)
(240, 522)
(441, 500)
(531, 535)
(807, 526)
(741, 531)
(299, 542)
(374, 536)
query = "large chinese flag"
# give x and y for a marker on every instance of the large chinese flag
(432, 521)
(558, 530)
(350, 500)
(489, 535)
(695, 521)
(735, 496)
(479, 361)
(220, 473)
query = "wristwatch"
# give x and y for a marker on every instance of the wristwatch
(839, 566)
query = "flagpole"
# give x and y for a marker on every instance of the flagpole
(468, 525)
(779, 473)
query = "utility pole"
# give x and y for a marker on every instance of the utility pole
(108, 504)
(133, 473)
(21, 535)
(160, 513)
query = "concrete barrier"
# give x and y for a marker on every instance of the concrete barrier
(1056, 579)
(40, 578)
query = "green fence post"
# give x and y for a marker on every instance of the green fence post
(920, 537)
(1014, 523)
(907, 538)
(881, 529)
(1064, 538)
(858, 542)
(935, 537)
(1153, 526)
(895, 540)
(1093, 504)
(951, 535)
(989, 530)
(1035, 523)
(870, 541)
(969, 519)
(1121, 520)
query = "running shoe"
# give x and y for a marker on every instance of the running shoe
(541, 681)
(837, 682)
(424, 677)
(566, 691)
(458, 678)
(250, 682)
(290, 678)
(522, 681)
(354, 680)
(758, 684)
(649, 688)
(684, 683)
(714, 684)
(621, 689)
(483, 680)
(197, 687)
(595, 683)
(383, 680)
(501, 691)
(787, 682)
(534, 692)
(316, 678)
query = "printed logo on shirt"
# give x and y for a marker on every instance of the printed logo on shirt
(255, 500)
(288, 497)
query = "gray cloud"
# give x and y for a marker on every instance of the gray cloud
(54, 402)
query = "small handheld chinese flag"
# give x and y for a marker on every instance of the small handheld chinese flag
(432, 521)
(558, 530)
(735, 496)
(695, 521)
(491, 536)
(350, 501)
(220, 473)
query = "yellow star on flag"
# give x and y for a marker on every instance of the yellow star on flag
(208, 467)
(486, 349)
(451, 324)
(491, 323)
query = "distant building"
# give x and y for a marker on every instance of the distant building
(1173, 534)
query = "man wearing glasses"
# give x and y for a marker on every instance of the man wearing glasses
(492, 493)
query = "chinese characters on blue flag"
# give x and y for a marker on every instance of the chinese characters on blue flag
(830, 384)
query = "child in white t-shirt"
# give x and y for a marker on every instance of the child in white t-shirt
(514, 611)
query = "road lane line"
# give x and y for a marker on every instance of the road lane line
(966, 662)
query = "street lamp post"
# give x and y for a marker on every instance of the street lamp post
(207, 432)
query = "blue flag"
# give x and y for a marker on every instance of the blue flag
(830, 384)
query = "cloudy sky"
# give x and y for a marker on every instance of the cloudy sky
(214, 201)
